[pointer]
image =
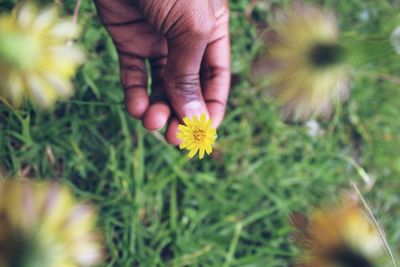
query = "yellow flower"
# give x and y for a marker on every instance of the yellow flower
(338, 237)
(197, 135)
(42, 225)
(36, 59)
(307, 60)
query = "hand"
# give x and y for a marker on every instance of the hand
(186, 43)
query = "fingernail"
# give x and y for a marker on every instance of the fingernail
(193, 108)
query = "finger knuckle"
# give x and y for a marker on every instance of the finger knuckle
(133, 75)
(184, 86)
(201, 26)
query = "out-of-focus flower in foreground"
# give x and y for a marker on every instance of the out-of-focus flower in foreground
(42, 225)
(36, 60)
(307, 60)
(341, 236)
(197, 135)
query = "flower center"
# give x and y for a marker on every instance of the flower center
(199, 135)
(347, 257)
(323, 55)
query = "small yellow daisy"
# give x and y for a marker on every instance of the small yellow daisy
(338, 236)
(197, 135)
(36, 59)
(41, 224)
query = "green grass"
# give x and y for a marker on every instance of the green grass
(157, 208)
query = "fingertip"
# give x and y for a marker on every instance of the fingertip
(156, 116)
(194, 108)
(137, 102)
(172, 130)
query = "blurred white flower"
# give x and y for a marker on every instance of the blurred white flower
(308, 59)
(35, 60)
(41, 224)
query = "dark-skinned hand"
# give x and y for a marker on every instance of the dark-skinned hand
(186, 43)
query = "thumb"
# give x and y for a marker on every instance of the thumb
(182, 73)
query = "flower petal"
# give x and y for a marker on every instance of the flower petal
(45, 19)
(187, 121)
(193, 152)
(201, 153)
(65, 30)
(26, 14)
(202, 119)
(208, 149)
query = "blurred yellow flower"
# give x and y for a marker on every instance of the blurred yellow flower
(308, 71)
(338, 237)
(42, 225)
(197, 135)
(36, 59)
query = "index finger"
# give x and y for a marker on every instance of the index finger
(216, 70)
